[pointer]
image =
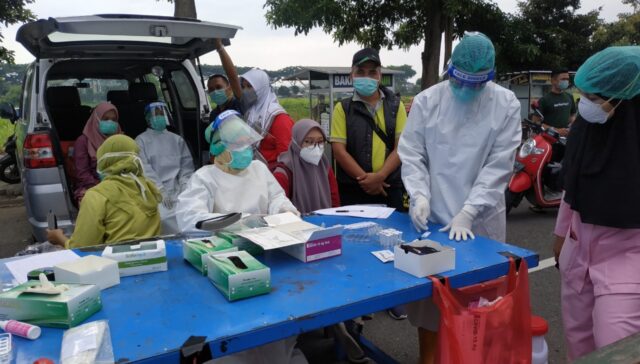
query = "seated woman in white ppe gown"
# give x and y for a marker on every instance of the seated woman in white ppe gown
(166, 161)
(236, 183)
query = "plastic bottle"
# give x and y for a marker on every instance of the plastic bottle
(21, 329)
(539, 349)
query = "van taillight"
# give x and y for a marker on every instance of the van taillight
(38, 151)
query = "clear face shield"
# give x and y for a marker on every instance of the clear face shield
(231, 131)
(157, 115)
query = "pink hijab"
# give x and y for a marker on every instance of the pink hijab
(91, 131)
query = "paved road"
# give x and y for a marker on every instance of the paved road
(397, 338)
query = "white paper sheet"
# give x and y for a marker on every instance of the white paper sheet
(19, 268)
(269, 238)
(364, 211)
(385, 256)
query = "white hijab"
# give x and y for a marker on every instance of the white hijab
(261, 114)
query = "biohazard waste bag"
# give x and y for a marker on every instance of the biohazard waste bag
(486, 323)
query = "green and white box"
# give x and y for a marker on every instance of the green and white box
(194, 250)
(146, 257)
(237, 274)
(66, 309)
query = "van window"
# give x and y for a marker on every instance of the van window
(186, 91)
(25, 102)
(92, 91)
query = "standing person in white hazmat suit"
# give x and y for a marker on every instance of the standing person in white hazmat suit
(457, 152)
(166, 160)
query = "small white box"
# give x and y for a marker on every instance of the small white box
(146, 257)
(91, 269)
(423, 265)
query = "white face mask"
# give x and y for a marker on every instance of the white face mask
(312, 154)
(592, 112)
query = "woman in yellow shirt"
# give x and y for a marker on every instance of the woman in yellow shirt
(123, 206)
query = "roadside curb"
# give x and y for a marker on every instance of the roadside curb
(11, 201)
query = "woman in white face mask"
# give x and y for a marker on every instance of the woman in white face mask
(304, 172)
(598, 227)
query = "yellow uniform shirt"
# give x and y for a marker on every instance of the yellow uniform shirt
(339, 131)
(100, 222)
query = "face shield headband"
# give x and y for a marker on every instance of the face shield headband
(471, 80)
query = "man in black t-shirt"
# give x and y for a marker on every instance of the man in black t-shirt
(557, 107)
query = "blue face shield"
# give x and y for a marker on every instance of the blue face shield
(464, 93)
(467, 86)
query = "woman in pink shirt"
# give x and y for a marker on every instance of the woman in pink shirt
(598, 227)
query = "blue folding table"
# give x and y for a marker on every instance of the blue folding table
(150, 316)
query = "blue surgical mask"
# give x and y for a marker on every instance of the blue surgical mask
(216, 149)
(365, 86)
(465, 94)
(107, 127)
(563, 84)
(158, 122)
(219, 97)
(241, 159)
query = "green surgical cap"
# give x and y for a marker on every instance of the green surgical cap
(474, 53)
(613, 73)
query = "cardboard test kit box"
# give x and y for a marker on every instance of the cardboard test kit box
(193, 250)
(423, 258)
(302, 240)
(146, 257)
(66, 309)
(237, 274)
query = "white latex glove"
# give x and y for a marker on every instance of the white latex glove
(460, 226)
(419, 210)
(290, 209)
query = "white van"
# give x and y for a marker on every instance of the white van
(128, 60)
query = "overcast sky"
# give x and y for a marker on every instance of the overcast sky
(257, 44)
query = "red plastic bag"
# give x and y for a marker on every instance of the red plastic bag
(496, 333)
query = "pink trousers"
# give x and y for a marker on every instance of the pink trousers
(600, 274)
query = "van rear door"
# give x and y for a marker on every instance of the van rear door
(121, 35)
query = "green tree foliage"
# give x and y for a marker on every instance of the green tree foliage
(12, 12)
(402, 81)
(283, 91)
(552, 34)
(294, 90)
(371, 23)
(624, 31)
(544, 34)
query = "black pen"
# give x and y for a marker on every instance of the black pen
(349, 210)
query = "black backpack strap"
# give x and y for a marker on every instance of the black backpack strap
(389, 142)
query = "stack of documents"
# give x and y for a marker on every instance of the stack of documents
(364, 211)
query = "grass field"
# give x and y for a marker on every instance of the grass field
(6, 129)
(298, 108)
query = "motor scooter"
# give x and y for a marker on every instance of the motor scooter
(9, 171)
(536, 174)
